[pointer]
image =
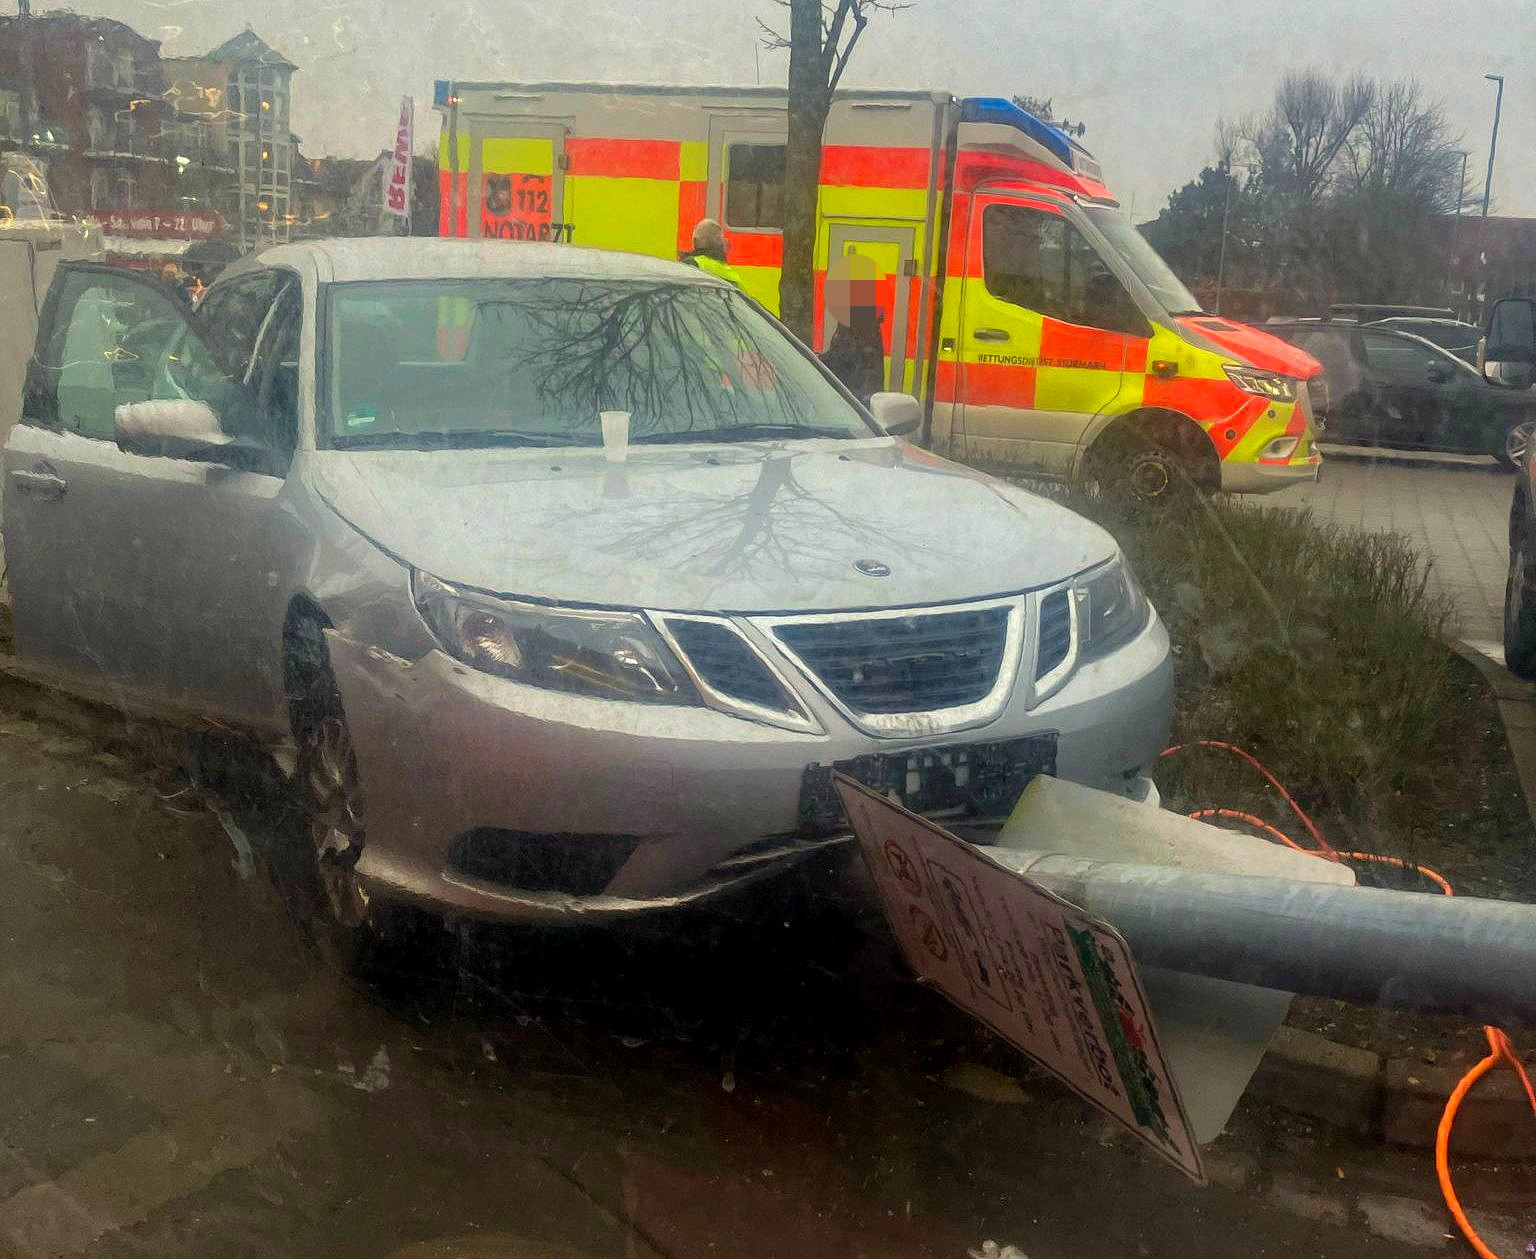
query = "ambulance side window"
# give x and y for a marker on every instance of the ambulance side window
(754, 187)
(1038, 260)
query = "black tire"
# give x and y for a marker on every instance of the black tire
(1516, 441)
(1137, 464)
(370, 940)
(1520, 605)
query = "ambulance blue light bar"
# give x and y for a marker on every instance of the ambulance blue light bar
(996, 109)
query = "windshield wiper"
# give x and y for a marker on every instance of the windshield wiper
(743, 433)
(453, 439)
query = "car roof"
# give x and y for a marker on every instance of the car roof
(1425, 319)
(430, 258)
(1396, 334)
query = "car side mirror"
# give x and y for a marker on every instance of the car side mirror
(896, 413)
(184, 428)
(1509, 373)
(174, 428)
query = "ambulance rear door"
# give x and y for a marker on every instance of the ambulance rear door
(890, 246)
(516, 178)
(745, 193)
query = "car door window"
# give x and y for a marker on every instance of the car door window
(1038, 260)
(120, 339)
(1398, 356)
(232, 315)
(1329, 348)
(275, 376)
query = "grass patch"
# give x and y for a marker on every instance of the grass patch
(1324, 651)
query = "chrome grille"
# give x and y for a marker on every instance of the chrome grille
(1055, 635)
(723, 660)
(923, 662)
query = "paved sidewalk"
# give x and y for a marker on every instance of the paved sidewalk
(1456, 508)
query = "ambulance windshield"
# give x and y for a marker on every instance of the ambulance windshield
(1150, 269)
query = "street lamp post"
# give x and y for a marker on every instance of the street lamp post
(1451, 261)
(1221, 255)
(1493, 148)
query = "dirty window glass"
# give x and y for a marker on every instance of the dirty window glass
(789, 629)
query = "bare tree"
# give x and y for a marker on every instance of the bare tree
(1299, 140)
(1342, 181)
(1404, 149)
(821, 39)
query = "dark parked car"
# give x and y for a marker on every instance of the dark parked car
(1451, 335)
(1386, 388)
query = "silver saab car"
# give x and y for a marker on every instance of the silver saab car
(564, 578)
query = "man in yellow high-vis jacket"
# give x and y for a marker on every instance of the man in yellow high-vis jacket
(708, 252)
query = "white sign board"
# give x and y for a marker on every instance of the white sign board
(397, 175)
(1056, 983)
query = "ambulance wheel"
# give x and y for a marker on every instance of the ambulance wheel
(1152, 464)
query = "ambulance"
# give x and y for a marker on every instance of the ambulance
(1019, 304)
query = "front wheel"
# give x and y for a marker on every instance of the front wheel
(368, 939)
(1516, 444)
(1520, 607)
(1140, 466)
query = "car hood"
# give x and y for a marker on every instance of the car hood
(1254, 347)
(726, 528)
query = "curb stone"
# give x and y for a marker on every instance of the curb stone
(1400, 1100)
(1392, 1099)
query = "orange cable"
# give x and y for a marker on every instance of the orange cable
(1326, 849)
(1239, 816)
(1499, 1045)
(1434, 876)
(1500, 1050)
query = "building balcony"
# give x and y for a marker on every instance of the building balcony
(134, 151)
(113, 92)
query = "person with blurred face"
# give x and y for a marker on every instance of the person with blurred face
(856, 355)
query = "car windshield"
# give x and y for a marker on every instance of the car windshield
(1150, 269)
(539, 361)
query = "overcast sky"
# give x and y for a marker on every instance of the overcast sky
(1150, 80)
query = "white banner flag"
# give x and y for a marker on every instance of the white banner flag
(397, 177)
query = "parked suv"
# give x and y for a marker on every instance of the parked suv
(569, 574)
(1387, 388)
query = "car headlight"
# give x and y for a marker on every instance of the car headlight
(1111, 608)
(1271, 385)
(612, 655)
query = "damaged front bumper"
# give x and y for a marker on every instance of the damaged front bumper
(485, 798)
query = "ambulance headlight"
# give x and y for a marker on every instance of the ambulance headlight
(1271, 385)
